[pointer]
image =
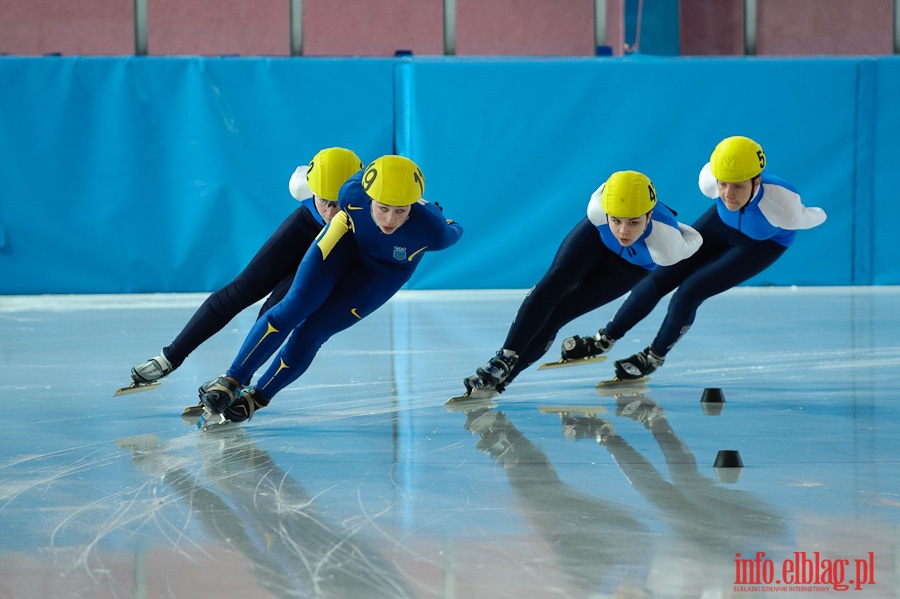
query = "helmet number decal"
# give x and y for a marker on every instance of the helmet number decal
(369, 178)
(419, 178)
(762, 158)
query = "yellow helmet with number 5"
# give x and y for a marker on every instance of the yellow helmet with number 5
(394, 180)
(628, 194)
(329, 169)
(737, 159)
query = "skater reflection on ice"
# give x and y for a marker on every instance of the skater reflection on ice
(248, 504)
(711, 521)
(603, 548)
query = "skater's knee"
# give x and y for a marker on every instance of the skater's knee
(231, 299)
(687, 299)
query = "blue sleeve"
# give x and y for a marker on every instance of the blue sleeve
(443, 232)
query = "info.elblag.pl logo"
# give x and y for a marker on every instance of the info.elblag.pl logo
(803, 572)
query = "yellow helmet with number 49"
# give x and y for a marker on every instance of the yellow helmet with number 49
(329, 170)
(628, 194)
(394, 180)
(737, 159)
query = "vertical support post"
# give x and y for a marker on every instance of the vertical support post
(450, 27)
(296, 27)
(140, 27)
(609, 26)
(600, 23)
(896, 26)
(749, 27)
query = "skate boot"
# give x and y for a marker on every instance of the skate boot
(494, 429)
(478, 389)
(152, 370)
(218, 394)
(576, 348)
(499, 446)
(605, 431)
(575, 428)
(497, 370)
(482, 420)
(640, 409)
(245, 405)
(639, 365)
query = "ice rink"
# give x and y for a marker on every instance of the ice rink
(358, 481)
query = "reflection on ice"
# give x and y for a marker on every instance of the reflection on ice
(358, 481)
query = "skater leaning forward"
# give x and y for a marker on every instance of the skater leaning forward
(361, 259)
(625, 235)
(271, 271)
(753, 221)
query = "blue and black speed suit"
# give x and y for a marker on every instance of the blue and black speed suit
(270, 272)
(351, 270)
(736, 246)
(590, 269)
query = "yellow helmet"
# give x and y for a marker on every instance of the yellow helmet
(737, 159)
(329, 169)
(394, 180)
(628, 194)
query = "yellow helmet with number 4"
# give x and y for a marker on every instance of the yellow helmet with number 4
(628, 194)
(737, 159)
(329, 169)
(394, 180)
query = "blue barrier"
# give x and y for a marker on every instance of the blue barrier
(122, 175)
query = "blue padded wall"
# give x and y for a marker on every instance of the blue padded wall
(514, 150)
(125, 175)
(122, 175)
(881, 212)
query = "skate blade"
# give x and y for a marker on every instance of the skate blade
(468, 404)
(589, 411)
(567, 363)
(623, 386)
(192, 414)
(209, 421)
(139, 443)
(136, 388)
(474, 395)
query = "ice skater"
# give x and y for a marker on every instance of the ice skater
(272, 269)
(362, 258)
(624, 236)
(754, 220)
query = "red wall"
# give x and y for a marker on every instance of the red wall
(829, 27)
(218, 27)
(38, 27)
(372, 27)
(483, 27)
(788, 27)
(525, 27)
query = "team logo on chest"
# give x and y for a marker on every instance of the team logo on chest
(399, 253)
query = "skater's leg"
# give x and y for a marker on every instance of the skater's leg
(358, 295)
(578, 255)
(324, 265)
(277, 259)
(661, 281)
(609, 280)
(729, 270)
(277, 294)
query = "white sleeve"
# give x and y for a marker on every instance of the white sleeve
(668, 245)
(595, 212)
(708, 184)
(298, 184)
(783, 208)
